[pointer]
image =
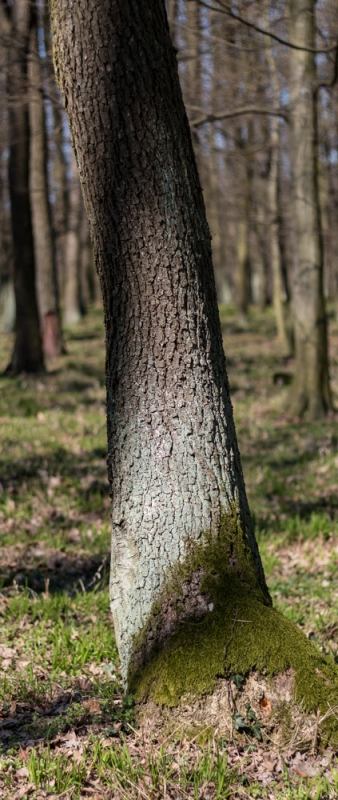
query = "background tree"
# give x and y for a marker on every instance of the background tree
(311, 391)
(27, 355)
(184, 556)
(47, 279)
(252, 36)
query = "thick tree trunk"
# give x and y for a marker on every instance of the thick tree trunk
(174, 465)
(47, 289)
(185, 564)
(311, 390)
(28, 354)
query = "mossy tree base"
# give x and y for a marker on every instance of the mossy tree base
(255, 641)
(282, 723)
(237, 632)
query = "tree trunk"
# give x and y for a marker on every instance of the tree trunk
(72, 307)
(311, 390)
(7, 299)
(243, 270)
(60, 182)
(42, 228)
(279, 288)
(280, 296)
(174, 465)
(27, 355)
(185, 563)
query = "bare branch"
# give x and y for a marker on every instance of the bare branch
(225, 9)
(237, 112)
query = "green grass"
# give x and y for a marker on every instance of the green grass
(65, 726)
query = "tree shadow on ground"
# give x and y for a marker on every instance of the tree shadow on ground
(46, 716)
(61, 548)
(40, 568)
(58, 461)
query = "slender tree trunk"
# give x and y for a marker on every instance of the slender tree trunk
(280, 296)
(7, 299)
(59, 170)
(243, 271)
(72, 307)
(279, 289)
(85, 261)
(311, 390)
(60, 181)
(259, 289)
(27, 355)
(212, 194)
(42, 228)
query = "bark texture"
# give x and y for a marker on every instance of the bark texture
(28, 354)
(311, 391)
(174, 464)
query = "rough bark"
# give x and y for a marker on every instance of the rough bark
(311, 391)
(46, 276)
(27, 355)
(174, 465)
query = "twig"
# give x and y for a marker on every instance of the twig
(315, 733)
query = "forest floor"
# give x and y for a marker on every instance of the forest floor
(66, 730)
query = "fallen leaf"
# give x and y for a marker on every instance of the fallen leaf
(22, 772)
(24, 753)
(93, 706)
(265, 705)
(7, 652)
(28, 788)
(84, 684)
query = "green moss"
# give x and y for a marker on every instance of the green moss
(241, 633)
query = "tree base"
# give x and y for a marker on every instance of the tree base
(280, 675)
(260, 710)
